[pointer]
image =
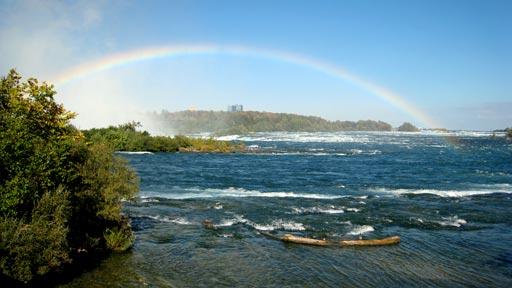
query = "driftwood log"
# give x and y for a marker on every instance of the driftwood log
(208, 224)
(344, 243)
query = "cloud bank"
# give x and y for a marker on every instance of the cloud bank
(42, 38)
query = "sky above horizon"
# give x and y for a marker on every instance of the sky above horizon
(452, 60)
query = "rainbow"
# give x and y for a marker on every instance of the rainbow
(138, 55)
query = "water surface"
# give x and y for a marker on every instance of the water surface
(448, 198)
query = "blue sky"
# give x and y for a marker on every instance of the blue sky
(451, 59)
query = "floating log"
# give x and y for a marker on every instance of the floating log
(344, 243)
(302, 240)
(371, 242)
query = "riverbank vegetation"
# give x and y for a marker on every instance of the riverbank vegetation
(60, 195)
(126, 138)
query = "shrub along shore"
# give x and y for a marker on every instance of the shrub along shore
(126, 138)
(61, 189)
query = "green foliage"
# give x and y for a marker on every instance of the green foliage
(408, 127)
(224, 123)
(126, 138)
(38, 246)
(119, 240)
(58, 194)
(509, 132)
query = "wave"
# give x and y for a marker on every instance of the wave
(177, 220)
(476, 190)
(324, 137)
(192, 193)
(134, 152)
(365, 137)
(358, 230)
(369, 152)
(351, 152)
(148, 200)
(278, 224)
(489, 173)
(299, 154)
(317, 210)
(353, 209)
(230, 222)
(452, 221)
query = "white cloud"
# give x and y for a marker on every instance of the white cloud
(43, 38)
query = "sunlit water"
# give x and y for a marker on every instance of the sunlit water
(448, 198)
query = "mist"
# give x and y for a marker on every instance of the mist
(41, 39)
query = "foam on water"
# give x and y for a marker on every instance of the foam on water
(363, 229)
(177, 220)
(452, 221)
(318, 210)
(237, 219)
(148, 200)
(191, 193)
(278, 224)
(353, 209)
(476, 190)
(324, 137)
(134, 152)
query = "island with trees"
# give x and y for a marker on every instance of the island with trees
(242, 122)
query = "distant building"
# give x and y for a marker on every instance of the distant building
(235, 108)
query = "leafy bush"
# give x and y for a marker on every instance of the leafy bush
(126, 138)
(59, 195)
(119, 240)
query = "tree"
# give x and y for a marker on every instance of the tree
(408, 127)
(59, 196)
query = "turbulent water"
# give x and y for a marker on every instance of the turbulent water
(447, 197)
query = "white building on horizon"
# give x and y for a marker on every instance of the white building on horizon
(235, 108)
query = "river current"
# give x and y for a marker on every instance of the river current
(448, 196)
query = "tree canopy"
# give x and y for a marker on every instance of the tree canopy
(408, 127)
(60, 196)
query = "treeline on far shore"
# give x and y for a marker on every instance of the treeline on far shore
(125, 137)
(226, 123)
